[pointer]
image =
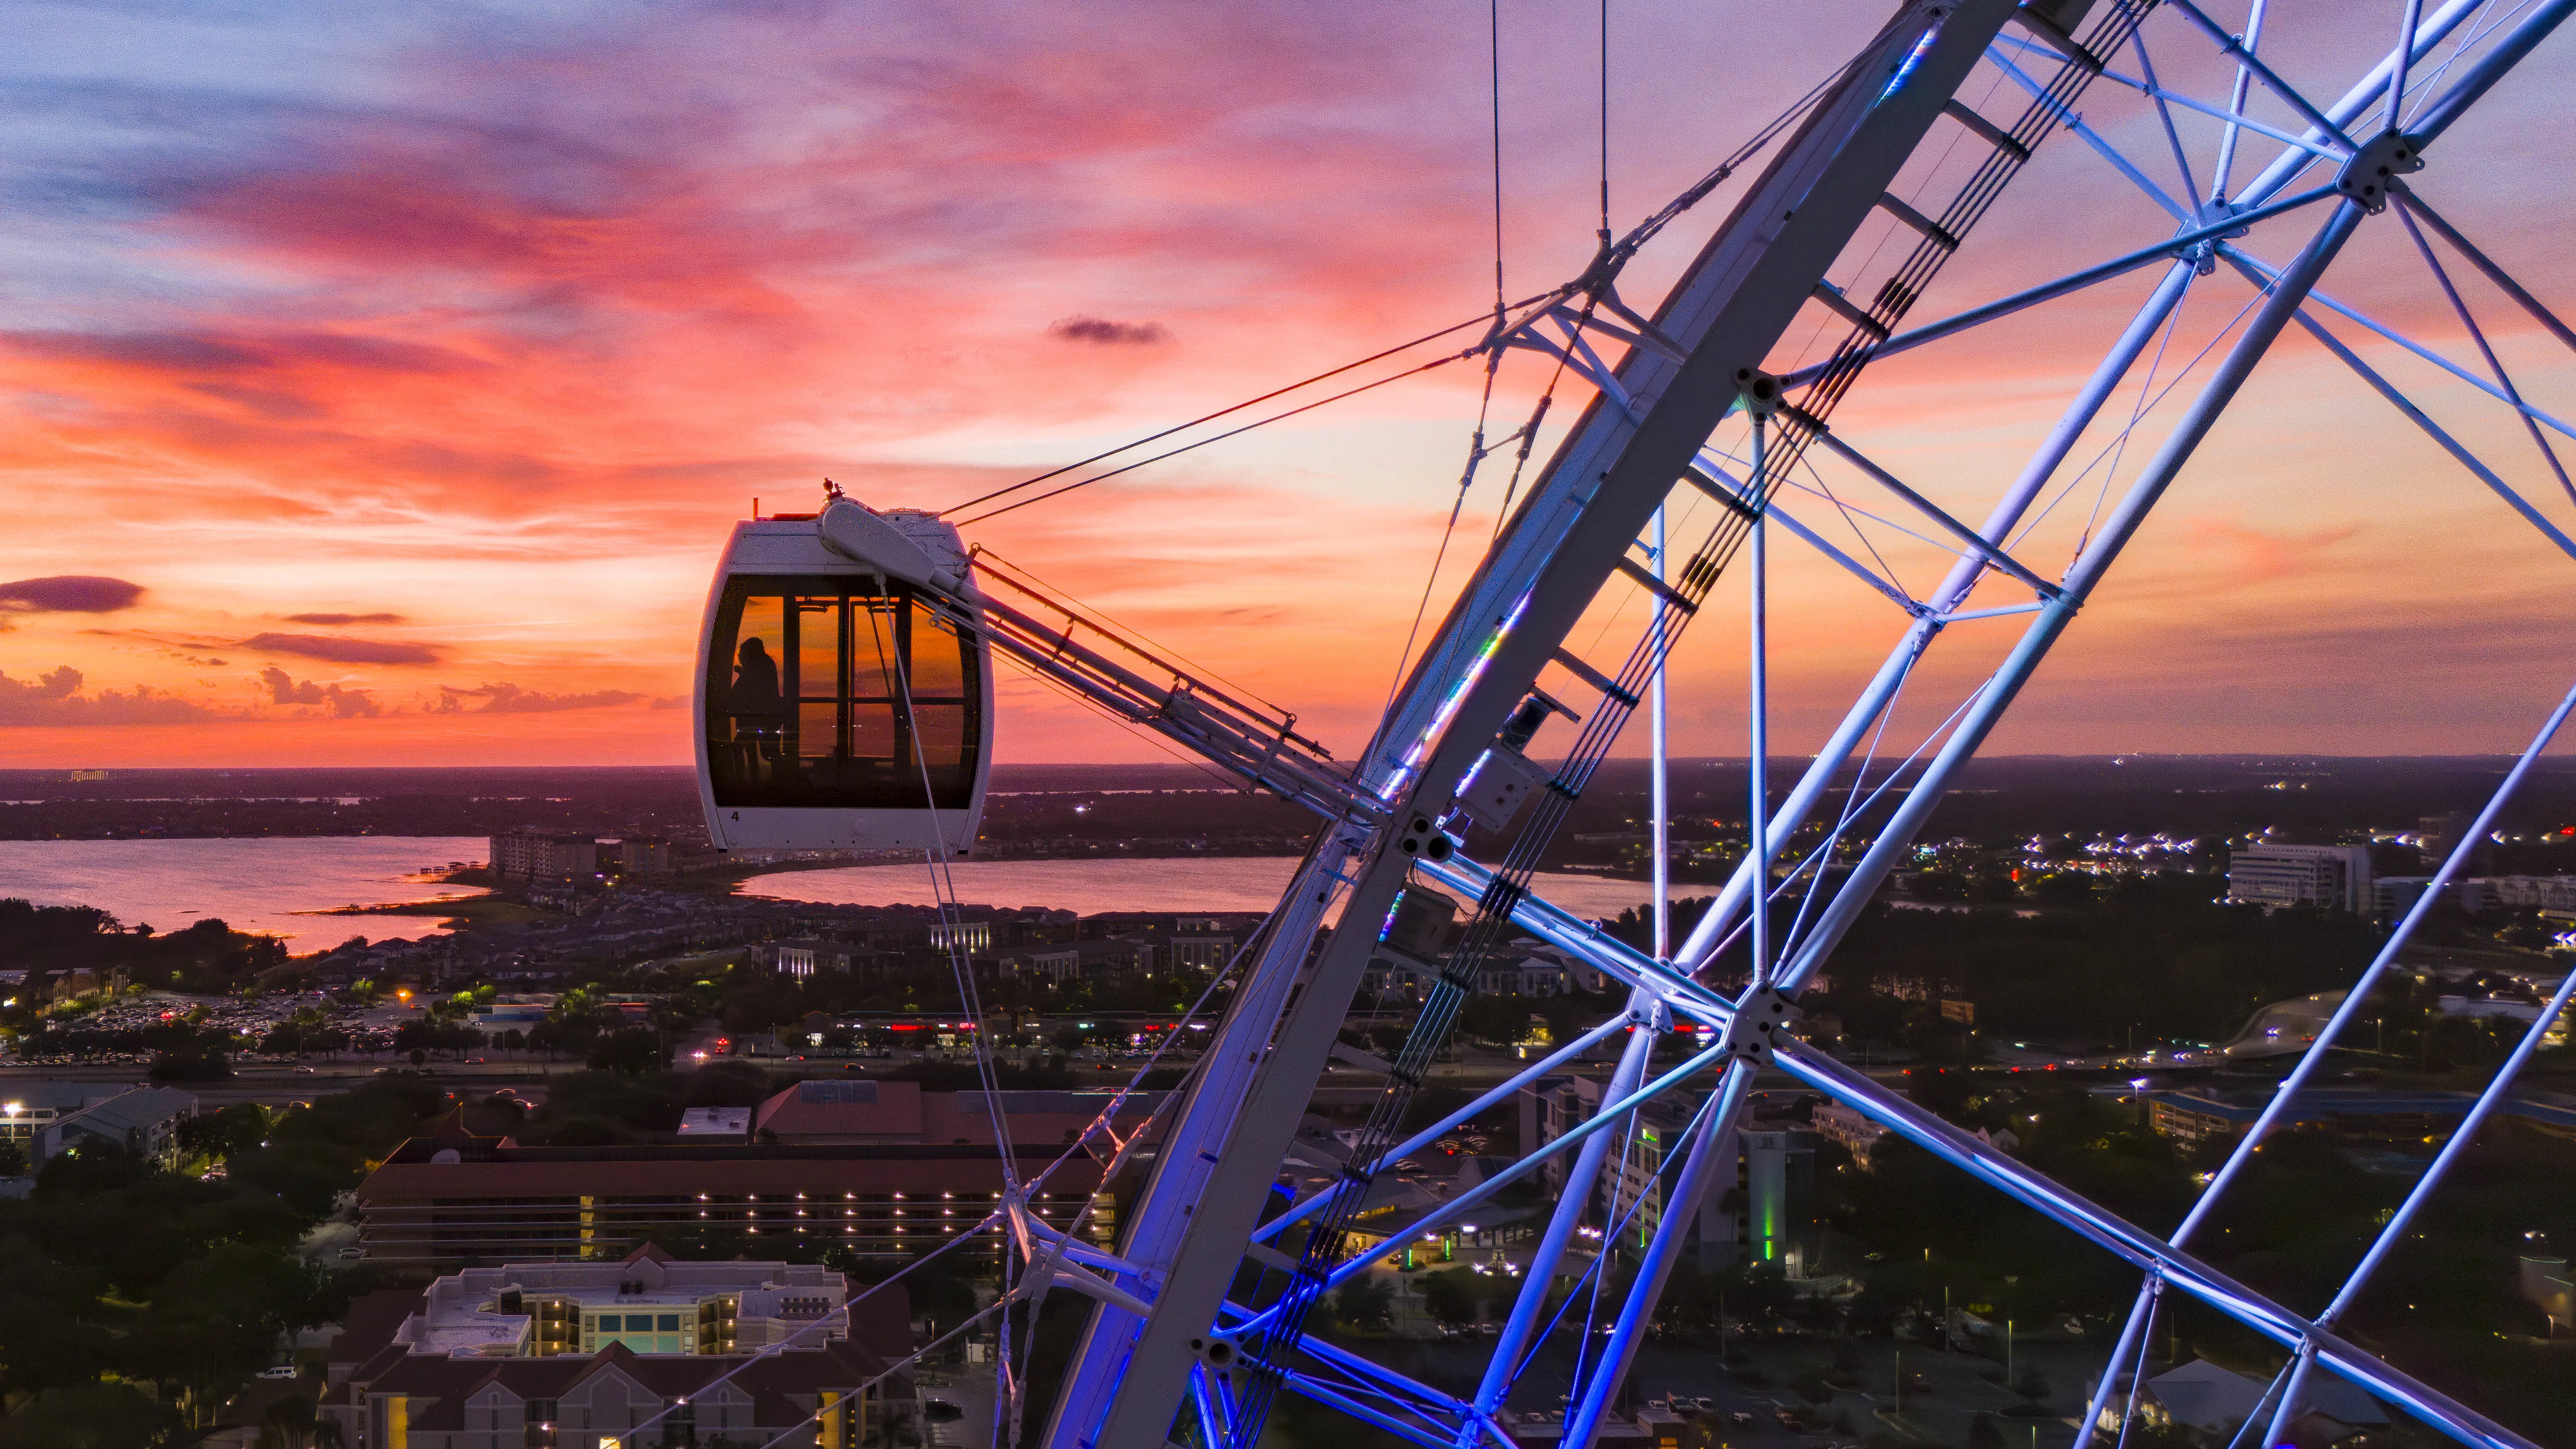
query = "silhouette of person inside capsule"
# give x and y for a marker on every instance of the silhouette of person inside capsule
(759, 711)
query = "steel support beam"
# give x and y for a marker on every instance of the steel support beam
(1897, 836)
(1572, 1204)
(1701, 945)
(1128, 1378)
(2178, 1268)
(1712, 1146)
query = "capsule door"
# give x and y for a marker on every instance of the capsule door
(840, 711)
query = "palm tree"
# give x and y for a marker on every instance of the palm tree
(290, 1424)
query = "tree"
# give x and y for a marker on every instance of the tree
(1501, 1020)
(1453, 1296)
(236, 1131)
(290, 1423)
(13, 1158)
(1367, 1301)
(728, 1084)
(191, 1067)
(557, 1038)
(634, 1052)
(90, 1416)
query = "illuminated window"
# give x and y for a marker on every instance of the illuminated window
(820, 697)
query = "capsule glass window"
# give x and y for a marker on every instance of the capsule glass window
(823, 693)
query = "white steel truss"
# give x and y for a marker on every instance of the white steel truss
(1200, 1317)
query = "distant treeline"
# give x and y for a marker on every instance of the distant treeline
(207, 956)
(1995, 800)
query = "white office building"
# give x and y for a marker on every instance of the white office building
(2334, 877)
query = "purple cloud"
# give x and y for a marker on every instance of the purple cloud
(54, 698)
(69, 594)
(344, 703)
(334, 650)
(206, 352)
(1112, 334)
(508, 698)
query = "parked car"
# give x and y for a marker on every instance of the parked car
(282, 1371)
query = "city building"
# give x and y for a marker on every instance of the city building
(2399, 1115)
(1837, 1123)
(1199, 951)
(1634, 1176)
(47, 1118)
(1522, 968)
(1548, 1109)
(1764, 1212)
(2394, 895)
(846, 1112)
(1073, 961)
(33, 1106)
(2211, 1404)
(454, 1200)
(2532, 892)
(1769, 1216)
(82, 981)
(2332, 877)
(715, 1124)
(802, 957)
(544, 855)
(1525, 969)
(510, 1013)
(972, 937)
(1159, 927)
(644, 855)
(647, 1301)
(583, 1356)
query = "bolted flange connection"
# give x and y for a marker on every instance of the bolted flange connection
(1760, 1021)
(1217, 1350)
(2366, 177)
(1427, 840)
(1759, 390)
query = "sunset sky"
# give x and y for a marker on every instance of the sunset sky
(380, 382)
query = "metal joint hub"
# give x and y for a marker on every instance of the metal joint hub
(1760, 1021)
(2366, 176)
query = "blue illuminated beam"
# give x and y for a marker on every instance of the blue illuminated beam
(1612, 1114)
(1437, 1130)
(2177, 1267)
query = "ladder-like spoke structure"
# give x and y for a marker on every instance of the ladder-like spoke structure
(1714, 435)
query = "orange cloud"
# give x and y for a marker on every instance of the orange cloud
(489, 331)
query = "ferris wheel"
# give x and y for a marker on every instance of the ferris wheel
(847, 661)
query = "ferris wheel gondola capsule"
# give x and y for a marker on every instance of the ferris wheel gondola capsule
(845, 689)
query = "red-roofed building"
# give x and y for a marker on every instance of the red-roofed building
(448, 1201)
(846, 1112)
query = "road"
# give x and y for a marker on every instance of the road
(276, 1084)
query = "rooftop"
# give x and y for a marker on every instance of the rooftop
(458, 1315)
(485, 1168)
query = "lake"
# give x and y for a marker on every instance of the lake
(253, 885)
(1190, 883)
(272, 884)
